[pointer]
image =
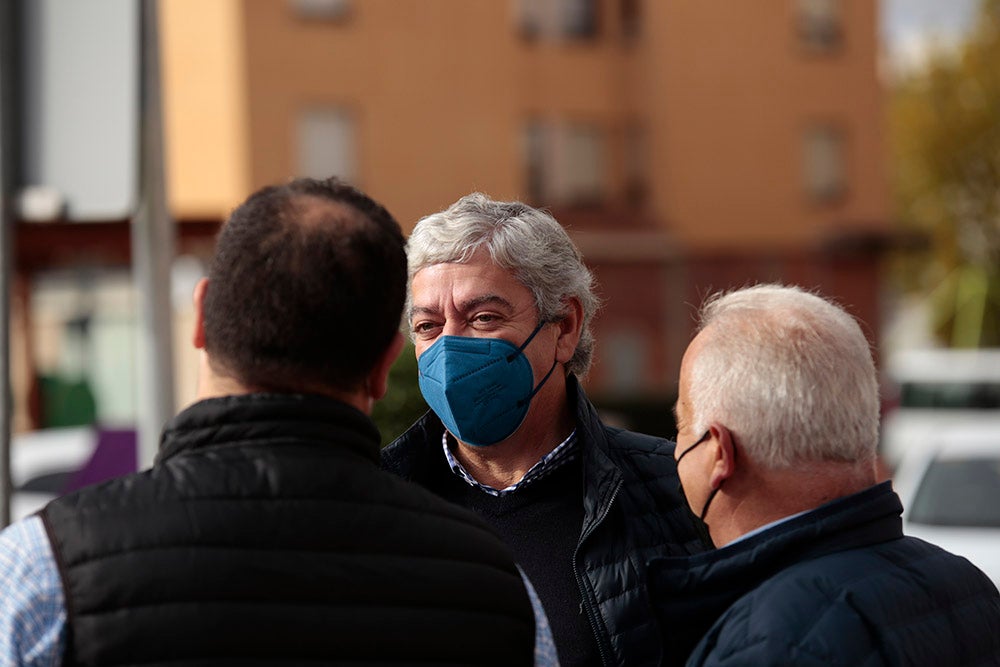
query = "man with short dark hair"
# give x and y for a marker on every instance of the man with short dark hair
(265, 532)
(778, 422)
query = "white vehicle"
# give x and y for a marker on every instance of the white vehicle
(936, 390)
(951, 494)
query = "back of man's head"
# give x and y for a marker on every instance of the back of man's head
(790, 374)
(306, 288)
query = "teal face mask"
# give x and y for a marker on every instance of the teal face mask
(480, 388)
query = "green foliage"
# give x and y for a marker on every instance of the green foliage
(403, 404)
(945, 124)
(66, 401)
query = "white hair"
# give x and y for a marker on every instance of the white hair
(528, 242)
(789, 373)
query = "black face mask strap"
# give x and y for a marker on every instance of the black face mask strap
(711, 497)
(708, 434)
(535, 390)
(513, 355)
(700, 526)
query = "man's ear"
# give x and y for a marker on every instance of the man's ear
(724, 452)
(378, 379)
(198, 337)
(570, 328)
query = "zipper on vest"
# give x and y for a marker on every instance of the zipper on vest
(588, 595)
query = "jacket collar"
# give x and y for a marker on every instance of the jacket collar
(416, 455)
(269, 419)
(690, 592)
(861, 519)
(602, 476)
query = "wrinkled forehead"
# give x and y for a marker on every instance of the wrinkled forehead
(464, 284)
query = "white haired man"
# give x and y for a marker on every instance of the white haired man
(500, 304)
(778, 417)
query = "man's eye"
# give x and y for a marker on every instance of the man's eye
(484, 318)
(424, 327)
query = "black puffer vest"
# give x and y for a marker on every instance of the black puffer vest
(632, 512)
(265, 534)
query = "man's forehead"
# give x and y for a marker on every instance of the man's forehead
(468, 303)
(681, 409)
(470, 283)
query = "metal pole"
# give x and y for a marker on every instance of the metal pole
(8, 152)
(152, 253)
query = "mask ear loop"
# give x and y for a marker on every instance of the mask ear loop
(535, 390)
(708, 434)
(513, 355)
(711, 496)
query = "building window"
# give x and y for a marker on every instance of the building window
(321, 10)
(630, 14)
(636, 163)
(820, 24)
(823, 162)
(535, 160)
(326, 144)
(626, 353)
(557, 19)
(564, 163)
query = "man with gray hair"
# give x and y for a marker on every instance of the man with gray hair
(778, 421)
(499, 308)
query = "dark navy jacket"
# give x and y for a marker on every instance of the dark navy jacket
(266, 535)
(837, 586)
(632, 512)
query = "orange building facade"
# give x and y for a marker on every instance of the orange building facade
(688, 146)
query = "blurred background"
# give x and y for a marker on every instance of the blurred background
(852, 146)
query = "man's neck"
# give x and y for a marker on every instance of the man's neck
(548, 423)
(748, 504)
(212, 384)
(499, 466)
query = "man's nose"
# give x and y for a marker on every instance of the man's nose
(453, 328)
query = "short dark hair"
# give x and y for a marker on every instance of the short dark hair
(306, 288)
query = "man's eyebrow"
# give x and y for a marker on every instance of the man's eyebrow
(485, 299)
(465, 306)
(423, 310)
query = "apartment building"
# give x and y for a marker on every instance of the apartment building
(688, 146)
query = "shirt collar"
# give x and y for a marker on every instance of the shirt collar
(565, 452)
(767, 526)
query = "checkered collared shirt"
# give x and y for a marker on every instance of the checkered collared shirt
(566, 452)
(32, 612)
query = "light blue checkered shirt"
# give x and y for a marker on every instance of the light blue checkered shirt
(32, 611)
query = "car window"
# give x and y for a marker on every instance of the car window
(959, 492)
(945, 395)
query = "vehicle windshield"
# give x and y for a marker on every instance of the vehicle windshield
(949, 395)
(959, 492)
